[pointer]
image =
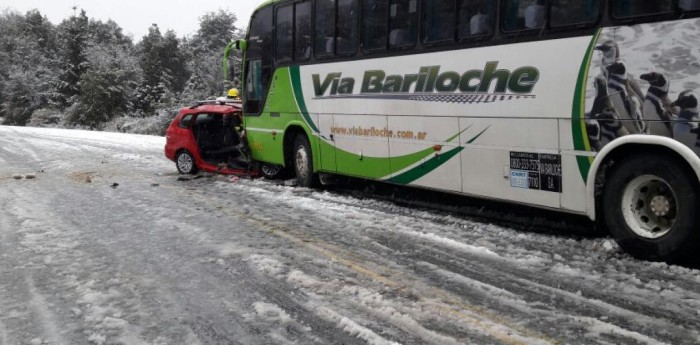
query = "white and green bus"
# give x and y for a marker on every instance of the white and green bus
(582, 106)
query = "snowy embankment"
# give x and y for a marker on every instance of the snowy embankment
(106, 246)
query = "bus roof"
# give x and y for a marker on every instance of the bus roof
(266, 3)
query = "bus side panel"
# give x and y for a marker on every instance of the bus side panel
(326, 147)
(361, 149)
(266, 131)
(508, 101)
(264, 135)
(505, 161)
(573, 196)
(440, 168)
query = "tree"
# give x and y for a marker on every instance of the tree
(164, 67)
(27, 65)
(216, 30)
(73, 38)
(109, 84)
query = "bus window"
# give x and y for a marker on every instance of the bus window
(260, 55)
(524, 15)
(260, 38)
(254, 85)
(346, 39)
(637, 8)
(689, 5)
(302, 33)
(475, 18)
(324, 42)
(574, 12)
(284, 33)
(374, 28)
(438, 21)
(403, 23)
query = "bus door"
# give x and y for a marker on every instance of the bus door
(259, 61)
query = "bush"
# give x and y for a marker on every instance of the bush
(46, 118)
(137, 124)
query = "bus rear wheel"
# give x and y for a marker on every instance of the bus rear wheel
(650, 206)
(303, 163)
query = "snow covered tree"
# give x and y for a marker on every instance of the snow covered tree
(27, 65)
(164, 67)
(216, 30)
(73, 38)
(109, 84)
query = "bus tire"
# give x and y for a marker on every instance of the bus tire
(650, 204)
(303, 163)
(271, 171)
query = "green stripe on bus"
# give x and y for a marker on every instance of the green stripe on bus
(578, 121)
(425, 168)
(433, 163)
(299, 96)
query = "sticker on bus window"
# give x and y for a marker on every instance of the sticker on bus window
(538, 171)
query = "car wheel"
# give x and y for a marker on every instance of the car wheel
(185, 163)
(650, 207)
(271, 171)
(303, 163)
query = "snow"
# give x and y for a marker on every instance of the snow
(211, 261)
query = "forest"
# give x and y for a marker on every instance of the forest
(87, 73)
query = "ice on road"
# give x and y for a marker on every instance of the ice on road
(104, 245)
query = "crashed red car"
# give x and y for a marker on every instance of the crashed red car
(207, 137)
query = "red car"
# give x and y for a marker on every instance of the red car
(204, 137)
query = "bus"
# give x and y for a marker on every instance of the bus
(582, 106)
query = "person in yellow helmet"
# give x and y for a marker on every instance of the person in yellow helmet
(232, 94)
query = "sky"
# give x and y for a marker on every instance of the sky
(136, 16)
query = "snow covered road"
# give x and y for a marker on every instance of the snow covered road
(154, 260)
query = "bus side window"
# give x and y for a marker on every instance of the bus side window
(260, 55)
(374, 25)
(524, 15)
(284, 33)
(475, 18)
(260, 37)
(574, 12)
(438, 21)
(324, 42)
(689, 5)
(302, 32)
(348, 16)
(254, 86)
(637, 8)
(403, 23)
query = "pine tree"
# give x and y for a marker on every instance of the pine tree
(73, 36)
(164, 67)
(108, 85)
(27, 65)
(216, 30)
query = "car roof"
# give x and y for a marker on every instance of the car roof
(212, 108)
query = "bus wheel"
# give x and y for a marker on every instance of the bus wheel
(650, 205)
(303, 163)
(271, 171)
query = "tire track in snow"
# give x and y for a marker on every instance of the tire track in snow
(50, 326)
(522, 283)
(515, 280)
(205, 323)
(495, 326)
